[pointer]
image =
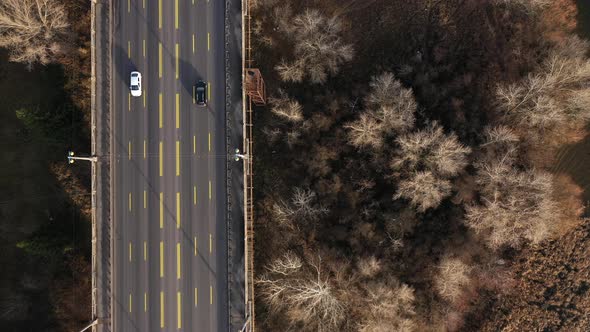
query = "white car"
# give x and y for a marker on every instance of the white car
(135, 85)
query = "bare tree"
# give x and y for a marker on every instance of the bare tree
(452, 279)
(304, 295)
(286, 108)
(33, 30)
(365, 132)
(431, 149)
(542, 100)
(516, 206)
(393, 104)
(318, 50)
(303, 206)
(390, 307)
(424, 190)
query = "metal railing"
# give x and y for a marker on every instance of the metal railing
(248, 174)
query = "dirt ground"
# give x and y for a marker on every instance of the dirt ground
(551, 292)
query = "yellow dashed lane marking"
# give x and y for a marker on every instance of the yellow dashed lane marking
(160, 16)
(130, 251)
(160, 110)
(161, 309)
(144, 302)
(160, 59)
(208, 90)
(129, 49)
(194, 195)
(209, 190)
(161, 210)
(194, 144)
(196, 297)
(177, 51)
(144, 199)
(195, 245)
(178, 210)
(179, 310)
(176, 14)
(210, 243)
(129, 102)
(177, 158)
(144, 149)
(129, 150)
(130, 202)
(208, 41)
(161, 259)
(143, 47)
(177, 104)
(193, 43)
(161, 152)
(210, 294)
(130, 302)
(178, 267)
(209, 141)
(144, 251)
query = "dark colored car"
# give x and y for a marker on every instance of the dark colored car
(201, 93)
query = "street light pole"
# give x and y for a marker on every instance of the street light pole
(72, 158)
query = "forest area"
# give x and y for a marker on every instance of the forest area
(405, 166)
(44, 202)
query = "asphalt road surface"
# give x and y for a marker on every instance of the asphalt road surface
(169, 168)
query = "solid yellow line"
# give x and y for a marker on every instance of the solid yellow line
(176, 51)
(194, 195)
(194, 144)
(177, 110)
(177, 158)
(161, 307)
(210, 294)
(160, 59)
(160, 110)
(179, 310)
(161, 152)
(144, 149)
(160, 16)
(129, 150)
(210, 243)
(144, 199)
(196, 297)
(130, 251)
(144, 302)
(129, 49)
(144, 251)
(178, 210)
(176, 14)
(129, 201)
(143, 48)
(161, 210)
(129, 102)
(178, 268)
(208, 41)
(209, 142)
(208, 90)
(209, 189)
(130, 302)
(161, 259)
(195, 245)
(193, 41)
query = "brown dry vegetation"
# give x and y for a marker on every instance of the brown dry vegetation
(38, 33)
(402, 186)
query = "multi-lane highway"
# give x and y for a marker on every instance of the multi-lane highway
(169, 262)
